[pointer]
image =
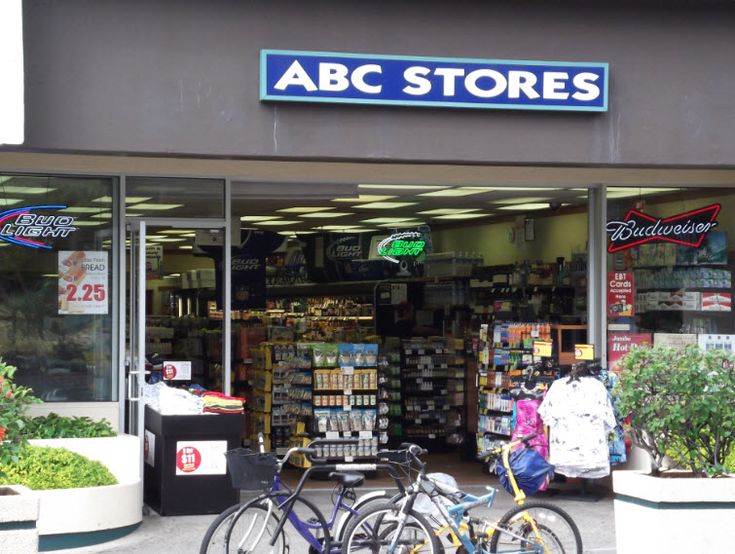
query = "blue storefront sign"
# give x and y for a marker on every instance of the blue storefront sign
(293, 76)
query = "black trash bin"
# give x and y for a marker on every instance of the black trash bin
(185, 468)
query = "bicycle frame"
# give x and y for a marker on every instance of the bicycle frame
(287, 500)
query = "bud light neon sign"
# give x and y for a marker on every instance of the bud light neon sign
(409, 244)
(23, 227)
(687, 229)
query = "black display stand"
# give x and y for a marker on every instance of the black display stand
(170, 494)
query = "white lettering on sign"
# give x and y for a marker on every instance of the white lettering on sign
(296, 75)
(480, 83)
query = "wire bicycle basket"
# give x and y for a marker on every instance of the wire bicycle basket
(251, 470)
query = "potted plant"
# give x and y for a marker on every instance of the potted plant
(18, 505)
(85, 475)
(682, 413)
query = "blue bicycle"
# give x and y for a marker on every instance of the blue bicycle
(257, 527)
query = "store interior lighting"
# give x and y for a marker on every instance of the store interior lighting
(462, 216)
(327, 215)
(384, 205)
(525, 207)
(366, 198)
(156, 207)
(15, 189)
(305, 209)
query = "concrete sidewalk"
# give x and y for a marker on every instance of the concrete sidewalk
(183, 534)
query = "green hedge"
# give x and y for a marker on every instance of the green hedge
(54, 426)
(42, 468)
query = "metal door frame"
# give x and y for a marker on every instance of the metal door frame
(136, 228)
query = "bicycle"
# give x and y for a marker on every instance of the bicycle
(258, 525)
(528, 528)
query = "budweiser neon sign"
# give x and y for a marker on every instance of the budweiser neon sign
(23, 227)
(687, 229)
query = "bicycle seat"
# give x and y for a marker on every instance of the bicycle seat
(347, 480)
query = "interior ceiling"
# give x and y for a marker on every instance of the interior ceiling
(489, 188)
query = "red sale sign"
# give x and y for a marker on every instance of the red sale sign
(619, 344)
(188, 459)
(620, 294)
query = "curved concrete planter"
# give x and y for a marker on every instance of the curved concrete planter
(18, 516)
(664, 515)
(79, 517)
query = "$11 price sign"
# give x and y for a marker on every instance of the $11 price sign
(83, 278)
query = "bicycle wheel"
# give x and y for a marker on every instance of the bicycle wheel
(252, 529)
(250, 532)
(378, 527)
(537, 524)
(215, 539)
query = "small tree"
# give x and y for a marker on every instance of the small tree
(14, 401)
(680, 401)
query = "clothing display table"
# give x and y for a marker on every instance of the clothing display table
(185, 470)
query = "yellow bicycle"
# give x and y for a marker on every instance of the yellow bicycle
(530, 527)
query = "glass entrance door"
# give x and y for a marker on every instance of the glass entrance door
(175, 325)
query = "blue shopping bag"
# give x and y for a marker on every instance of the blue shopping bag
(529, 469)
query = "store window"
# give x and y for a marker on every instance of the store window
(56, 276)
(669, 268)
(174, 197)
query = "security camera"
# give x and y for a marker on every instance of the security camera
(554, 205)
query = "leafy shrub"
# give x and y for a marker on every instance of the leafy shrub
(14, 401)
(54, 426)
(681, 401)
(42, 468)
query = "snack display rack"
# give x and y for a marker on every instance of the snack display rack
(345, 398)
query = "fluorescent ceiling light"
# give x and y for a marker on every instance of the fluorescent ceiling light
(9, 201)
(521, 189)
(189, 235)
(521, 200)
(169, 239)
(458, 191)
(628, 192)
(88, 223)
(280, 222)
(351, 229)
(172, 276)
(448, 211)
(133, 215)
(156, 207)
(327, 214)
(462, 216)
(366, 198)
(25, 190)
(84, 210)
(53, 275)
(336, 227)
(103, 215)
(128, 199)
(259, 217)
(301, 232)
(186, 247)
(409, 223)
(526, 207)
(387, 219)
(305, 209)
(403, 187)
(385, 205)
(183, 232)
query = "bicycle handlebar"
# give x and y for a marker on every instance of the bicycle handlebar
(498, 451)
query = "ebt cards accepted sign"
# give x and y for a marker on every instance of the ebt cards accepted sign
(294, 76)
